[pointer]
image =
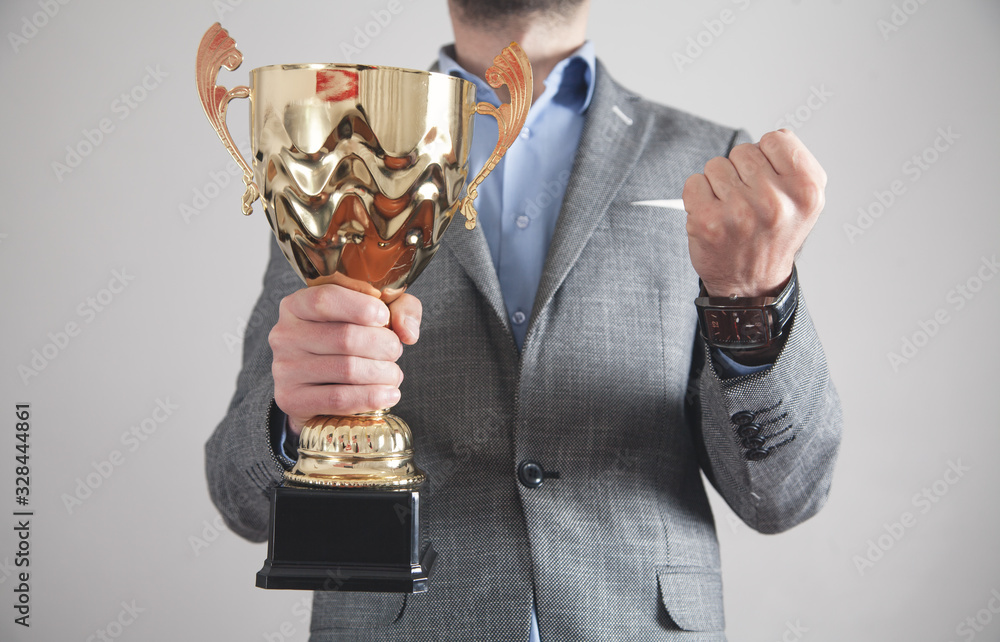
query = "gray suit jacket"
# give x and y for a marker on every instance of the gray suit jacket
(613, 389)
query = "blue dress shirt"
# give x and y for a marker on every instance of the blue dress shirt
(519, 202)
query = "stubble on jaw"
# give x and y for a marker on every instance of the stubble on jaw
(491, 12)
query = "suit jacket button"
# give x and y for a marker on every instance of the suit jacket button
(753, 441)
(530, 473)
(743, 417)
(757, 454)
(748, 430)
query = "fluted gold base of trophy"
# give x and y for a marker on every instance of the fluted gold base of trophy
(367, 450)
(360, 170)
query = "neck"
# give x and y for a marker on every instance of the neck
(546, 39)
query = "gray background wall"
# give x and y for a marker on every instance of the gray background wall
(163, 334)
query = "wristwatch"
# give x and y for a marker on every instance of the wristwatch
(746, 323)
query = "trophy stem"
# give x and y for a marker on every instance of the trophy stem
(367, 450)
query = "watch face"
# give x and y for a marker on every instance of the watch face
(736, 327)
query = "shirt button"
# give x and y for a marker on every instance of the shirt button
(525, 133)
(518, 317)
(522, 221)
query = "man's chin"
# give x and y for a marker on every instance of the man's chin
(494, 10)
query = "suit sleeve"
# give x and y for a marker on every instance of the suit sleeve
(770, 439)
(240, 462)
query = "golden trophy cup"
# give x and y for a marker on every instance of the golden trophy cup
(360, 170)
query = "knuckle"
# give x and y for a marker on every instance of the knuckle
(739, 209)
(283, 306)
(690, 187)
(345, 338)
(349, 369)
(283, 400)
(279, 372)
(275, 339)
(711, 230)
(376, 397)
(323, 300)
(772, 211)
(371, 310)
(770, 138)
(371, 398)
(810, 196)
(717, 165)
(337, 398)
(743, 151)
(771, 143)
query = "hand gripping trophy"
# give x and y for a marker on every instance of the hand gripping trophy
(360, 170)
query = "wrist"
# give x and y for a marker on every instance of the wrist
(750, 329)
(767, 287)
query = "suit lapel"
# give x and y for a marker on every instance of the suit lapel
(613, 137)
(473, 253)
(612, 140)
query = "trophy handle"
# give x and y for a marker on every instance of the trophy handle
(510, 68)
(218, 50)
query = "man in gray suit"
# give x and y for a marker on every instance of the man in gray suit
(563, 395)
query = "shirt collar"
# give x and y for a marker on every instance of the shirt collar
(573, 77)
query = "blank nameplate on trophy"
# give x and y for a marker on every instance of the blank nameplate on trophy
(345, 540)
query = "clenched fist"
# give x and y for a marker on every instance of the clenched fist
(335, 351)
(749, 214)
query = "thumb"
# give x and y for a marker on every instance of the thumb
(404, 318)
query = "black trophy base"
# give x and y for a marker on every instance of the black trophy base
(346, 540)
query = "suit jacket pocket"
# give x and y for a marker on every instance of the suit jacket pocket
(341, 610)
(692, 596)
